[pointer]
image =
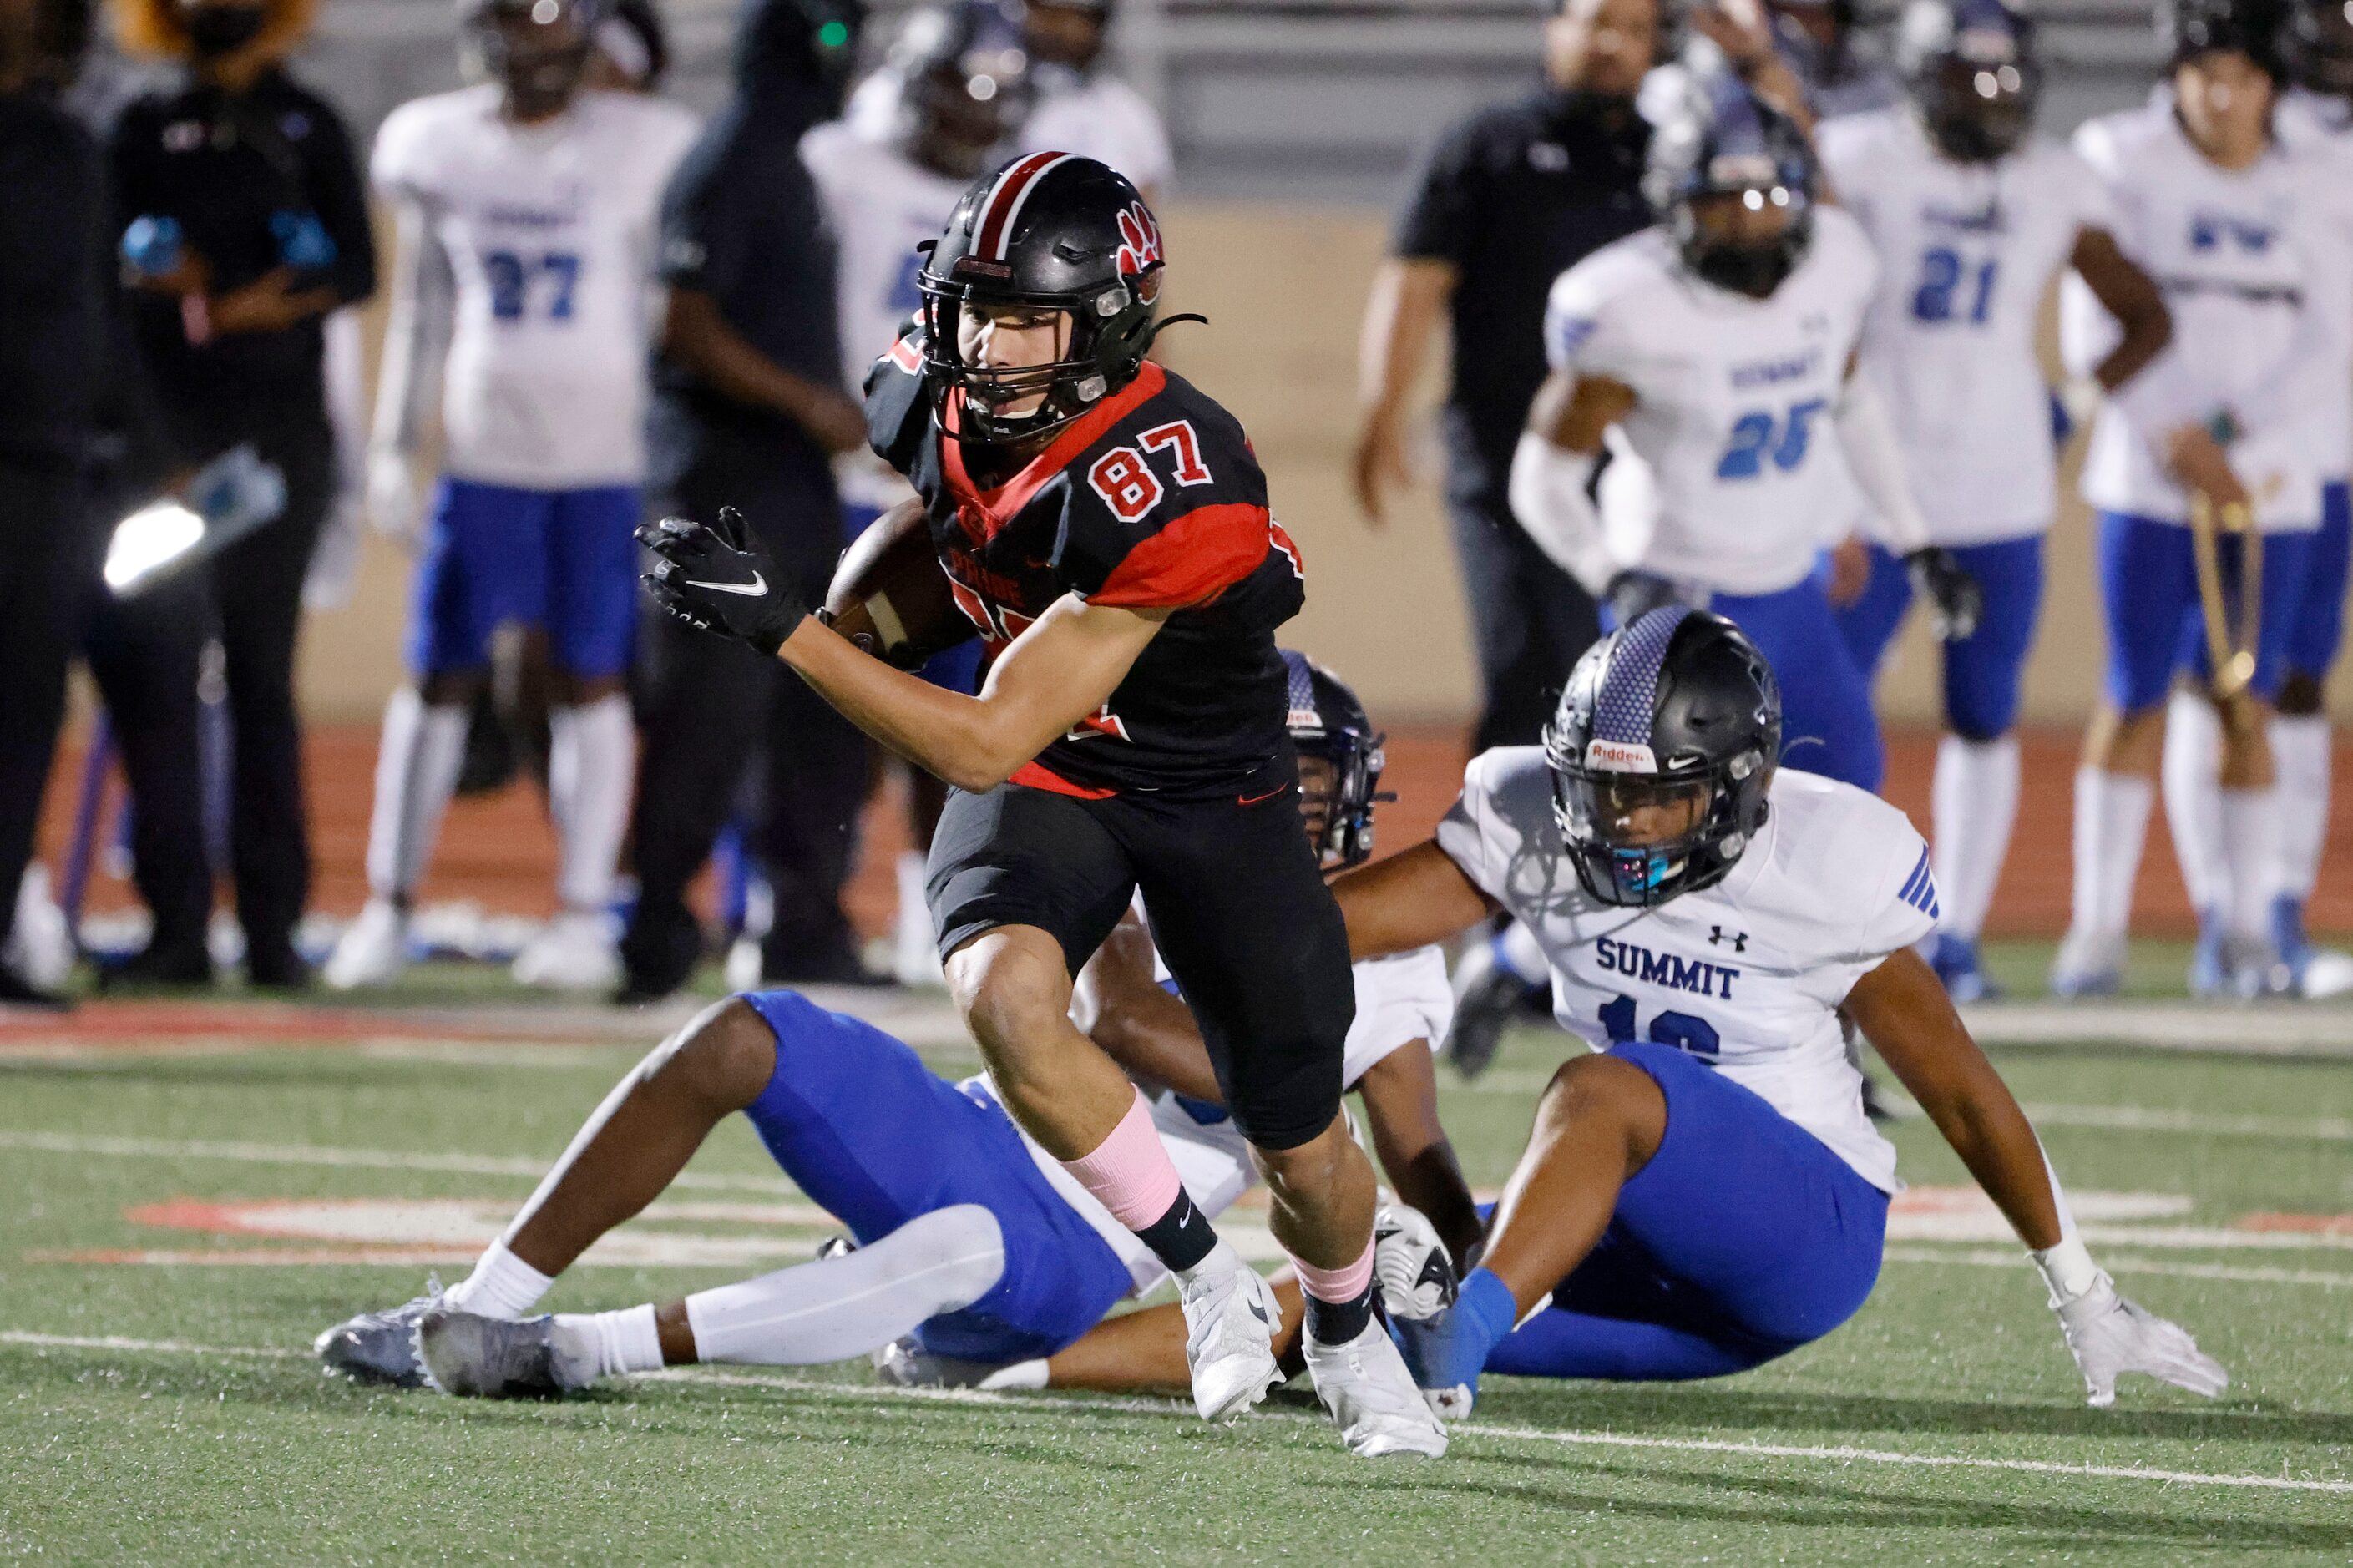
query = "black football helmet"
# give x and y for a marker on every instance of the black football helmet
(1660, 752)
(1328, 723)
(538, 49)
(1722, 144)
(1970, 67)
(1052, 231)
(2249, 28)
(2315, 47)
(962, 74)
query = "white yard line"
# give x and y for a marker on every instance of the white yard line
(1831, 1454)
(2128, 1264)
(2150, 1118)
(526, 1166)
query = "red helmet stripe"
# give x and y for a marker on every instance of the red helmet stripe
(1005, 203)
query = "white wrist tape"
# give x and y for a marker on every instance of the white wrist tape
(1548, 498)
(2068, 1271)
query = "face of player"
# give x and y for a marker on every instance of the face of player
(1637, 812)
(1601, 47)
(541, 54)
(1317, 781)
(218, 29)
(1069, 35)
(1013, 337)
(963, 120)
(1981, 110)
(2225, 102)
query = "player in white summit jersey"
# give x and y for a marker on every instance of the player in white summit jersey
(2314, 117)
(2242, 411)
(1704, 1192)
(1971, 216)
(1721, 345)
(890, 172)
(539, 203)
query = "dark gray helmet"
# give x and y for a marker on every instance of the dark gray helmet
(1660, 752)
(1970, 67)
(1724, 141)
(1328, 723)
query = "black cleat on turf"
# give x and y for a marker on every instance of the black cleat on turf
(379, 1347)
(496, 1358)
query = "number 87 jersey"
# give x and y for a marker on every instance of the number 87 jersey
(1744, 975)
(1151, 499)
(1733, 397)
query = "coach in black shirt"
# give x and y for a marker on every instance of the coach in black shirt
(1507, 201)
(748, 410)
(245, 188)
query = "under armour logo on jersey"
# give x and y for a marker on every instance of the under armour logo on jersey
(1919, 889)
(1740, 939)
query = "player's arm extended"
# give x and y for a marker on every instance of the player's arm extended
(1054, 674)
(1410, 296)
(1902, 1010)
(697, 336)
(408, 385)
(1553, 469)
(1407, 901)
(1400, 1095)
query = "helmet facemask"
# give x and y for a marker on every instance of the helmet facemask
(537, 49)
(1746, 227)
(1977, 105)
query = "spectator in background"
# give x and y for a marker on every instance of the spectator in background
(1505, 202)
(748, 412)
(56, 287)
(256, 227)
(1081, 107)
(1817, 39)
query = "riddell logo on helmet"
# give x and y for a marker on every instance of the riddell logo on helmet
(1139, 248)
(1620, 757)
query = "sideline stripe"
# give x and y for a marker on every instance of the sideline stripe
(2127, 1264)
(1047, 1402)
(532, 1166)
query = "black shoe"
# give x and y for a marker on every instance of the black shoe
(276, 966)
(1488, 998)
(840, 967)
(168, 964)
(15, 990)
(658, 957)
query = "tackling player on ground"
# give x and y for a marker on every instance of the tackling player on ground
(1719, 345)
(978, 1257)
(1105, 527)
(537, 202)
(1971, 216)
(1704, 1192)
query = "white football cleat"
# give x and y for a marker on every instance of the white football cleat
(372, 952)
(2325, 972)
(577, 951)
(1229, 1319)
(1364, 1386)
(40, 943)
(2089, 963)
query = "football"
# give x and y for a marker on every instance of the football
(889, 594)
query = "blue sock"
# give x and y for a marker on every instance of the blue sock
(1450, 1350)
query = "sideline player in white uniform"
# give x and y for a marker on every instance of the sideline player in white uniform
(540, 201)
(2316, 118)
(1971, 216)
(978, 1255)
(1704, 1192)
(890, 172)
(2239, 230)
(1721, 345)
(1076, 107)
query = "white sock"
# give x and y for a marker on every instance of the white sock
(2111, 825)
(619, 1342)
(1020, 1374)
(915, 951)
(2251, 848)
(591, 754)
(2193, 798)
(842, 1307)
(502, 1285)
(1974, 801)
(2300, 760)
(417, 764)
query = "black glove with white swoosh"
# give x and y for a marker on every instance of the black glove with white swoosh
(717, 577)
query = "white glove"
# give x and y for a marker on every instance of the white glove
(1416, 1275)
(393, 507)
(2107, 1334)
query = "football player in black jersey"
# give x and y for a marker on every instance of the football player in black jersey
(1104, 526)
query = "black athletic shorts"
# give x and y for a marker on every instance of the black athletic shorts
(1238, 910)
